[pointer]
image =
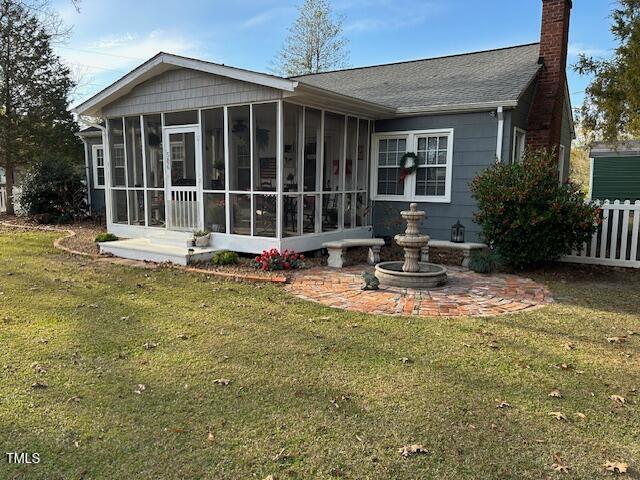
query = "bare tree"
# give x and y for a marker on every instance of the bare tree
(315, 42)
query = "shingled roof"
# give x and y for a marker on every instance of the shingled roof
(485, 77)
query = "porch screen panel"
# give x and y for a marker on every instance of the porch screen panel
(265, 140)
(292, 120)
(291, 209)
(118, 161)
(135, 167)
(153, 150)
(331, 207)
(352, 152)
(309, 207)
(136, 207)
(214, 212)
(264, 215)
(333, 163)
(239, 148)
(156, 208)
(119, 207)
(312, 133)
(213, 149)
(240, 211)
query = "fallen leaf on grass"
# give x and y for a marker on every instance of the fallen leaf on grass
(563, 366)
(269, 477)
(555, 394)
(580, 415)
(568, 346)
(616, 467)
(406, 360)
(39, 385)
(617, 399)
(182, 336)
(222, 381)
(141, 387)
(616, 339)
(149, 345)
(210, 437)
(503, 404)
(558, 465)
(414, 449)
(38, 368)
(558, 415)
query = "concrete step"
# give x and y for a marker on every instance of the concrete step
(145, 249)
(173, 238)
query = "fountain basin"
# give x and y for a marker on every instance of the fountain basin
(429, 276)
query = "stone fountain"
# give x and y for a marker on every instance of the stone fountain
(411, 273)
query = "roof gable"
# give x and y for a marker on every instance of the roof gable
(164, 62)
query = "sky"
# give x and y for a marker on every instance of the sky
(111, 37)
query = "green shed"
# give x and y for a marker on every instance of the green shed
(615, 171)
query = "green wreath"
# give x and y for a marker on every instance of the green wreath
(406, 171)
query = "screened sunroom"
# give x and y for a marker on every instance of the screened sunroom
(257, 175)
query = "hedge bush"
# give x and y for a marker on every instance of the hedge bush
(224, 257)
(53, 191)
(105, 237)
(527, 215)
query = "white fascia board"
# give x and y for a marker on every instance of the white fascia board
(165, 61)
(461, 108)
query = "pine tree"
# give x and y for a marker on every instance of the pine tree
(315, 42)
(612, 105)
(35, 88)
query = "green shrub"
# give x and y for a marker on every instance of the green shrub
(201, 233)
(484, 261)
(53, 190)
(527, 215)
(224, 257)
(105, 237)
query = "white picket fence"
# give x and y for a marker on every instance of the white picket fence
(3, 199)
(615, 242)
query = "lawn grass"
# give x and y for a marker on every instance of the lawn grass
(313, 392)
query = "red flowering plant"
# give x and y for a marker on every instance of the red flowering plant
(527, 215)
(275, 260)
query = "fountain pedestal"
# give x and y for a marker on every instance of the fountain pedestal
(411, 273)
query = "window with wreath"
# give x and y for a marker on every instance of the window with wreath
(390, 152)
(413, 166)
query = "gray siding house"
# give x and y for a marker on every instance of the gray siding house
(264, 162)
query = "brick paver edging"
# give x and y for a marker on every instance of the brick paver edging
(278, 279)
(466, 294)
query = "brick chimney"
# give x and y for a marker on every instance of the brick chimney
(545, 116)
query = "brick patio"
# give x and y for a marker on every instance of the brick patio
(466, 294)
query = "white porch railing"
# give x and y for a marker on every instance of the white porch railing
(615, 242)
(183, 210)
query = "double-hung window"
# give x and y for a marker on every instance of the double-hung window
(431, 181)
(519, 144)
(98, 166)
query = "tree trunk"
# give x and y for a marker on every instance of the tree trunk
(9, 169)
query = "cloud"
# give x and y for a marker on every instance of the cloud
(576, 49)
(97, 63)
(267, 16)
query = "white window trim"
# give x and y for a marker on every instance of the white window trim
(94, 157)
(410, 182)
(516, 131)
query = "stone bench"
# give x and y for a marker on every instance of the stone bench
(338, 249)
(466, 247)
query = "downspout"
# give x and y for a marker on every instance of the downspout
(87, 174)
(500, 135)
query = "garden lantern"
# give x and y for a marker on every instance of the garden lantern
(457, 233)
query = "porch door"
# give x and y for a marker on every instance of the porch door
(182, 177)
